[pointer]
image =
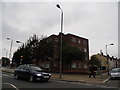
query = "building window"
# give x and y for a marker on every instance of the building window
(84, 42)
(80, 66)
(85, 66)
(73, 65)
(55, 46)
(43, 65)
(84, 50)
(56, 39)
(54, 64)
(73, 39)
(79, 41)
(47, 65)
(80, 49)
(49, 40)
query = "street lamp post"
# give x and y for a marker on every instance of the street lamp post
(58, 6)
(10, 47)
(101, 63)
(116, 62)
(107, 56)
(6, 52)
(108, 45)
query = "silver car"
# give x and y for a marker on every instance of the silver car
(115, 73)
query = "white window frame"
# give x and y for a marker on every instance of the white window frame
(85, 50)
(85, 66)
(84, 42)
(73, 65)
(80, 66)
(73, 39)
(79, 41)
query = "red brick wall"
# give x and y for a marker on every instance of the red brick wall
(68, 40)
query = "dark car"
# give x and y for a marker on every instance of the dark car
(31, 72)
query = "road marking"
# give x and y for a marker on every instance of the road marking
(106, 80)
(7, 75)
(12, 85)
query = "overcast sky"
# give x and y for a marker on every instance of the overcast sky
(96, 21)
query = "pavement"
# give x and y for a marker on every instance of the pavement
(81, 78)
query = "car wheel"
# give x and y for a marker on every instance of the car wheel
(31, 78)
(16, 77)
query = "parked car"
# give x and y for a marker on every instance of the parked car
(115, 73)
(31, 72)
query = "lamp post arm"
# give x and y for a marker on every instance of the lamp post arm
(106, 49)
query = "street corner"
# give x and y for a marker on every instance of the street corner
(106, 80)
(94, 81)
(71, 80)
(8, 71)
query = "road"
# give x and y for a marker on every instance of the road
(113, 83)
(8, 81)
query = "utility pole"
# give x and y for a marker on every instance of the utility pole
(58, 6)
(10, 47)
(107, 56)
(101, 64)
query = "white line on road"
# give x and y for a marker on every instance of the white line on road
(7, 75)
(12, 85)
(107, 80)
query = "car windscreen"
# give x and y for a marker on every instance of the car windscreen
(35, 68)
(115, 70)
(20, 67)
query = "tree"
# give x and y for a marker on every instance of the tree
(95, 61)
(5, 61)
(72, 53)
(44, 50)
(34, 49)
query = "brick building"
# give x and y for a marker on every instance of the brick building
(76, 65)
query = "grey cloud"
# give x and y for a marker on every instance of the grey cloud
(94, 21)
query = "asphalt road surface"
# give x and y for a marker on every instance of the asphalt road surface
(113, 83)
(8, 81)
